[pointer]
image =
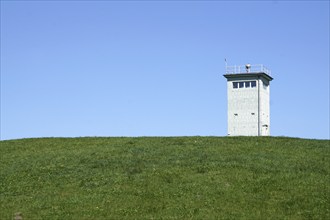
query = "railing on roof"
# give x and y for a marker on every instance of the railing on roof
(257, 68)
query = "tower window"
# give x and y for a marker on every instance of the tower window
(264, 85)
(246, 84)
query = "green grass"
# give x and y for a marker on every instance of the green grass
(165, 178)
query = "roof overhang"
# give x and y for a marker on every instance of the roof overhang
(248, 75)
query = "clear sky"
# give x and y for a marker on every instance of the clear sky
(147, 68)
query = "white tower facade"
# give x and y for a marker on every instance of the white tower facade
(248, 100)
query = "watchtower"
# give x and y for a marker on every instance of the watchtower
(248, 100)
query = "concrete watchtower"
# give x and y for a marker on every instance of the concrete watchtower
(248, 100)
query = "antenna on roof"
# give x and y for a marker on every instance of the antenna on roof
(226, 64)
(248, 67)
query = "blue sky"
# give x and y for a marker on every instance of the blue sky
(146, 68)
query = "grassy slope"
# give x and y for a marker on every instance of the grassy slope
(163, 177)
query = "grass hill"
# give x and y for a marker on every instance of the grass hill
(165, 178)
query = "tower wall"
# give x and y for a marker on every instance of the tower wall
(248, 104)
(264, 108)
(242, 108)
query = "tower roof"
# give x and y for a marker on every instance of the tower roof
(248, 71)
(248, 75)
